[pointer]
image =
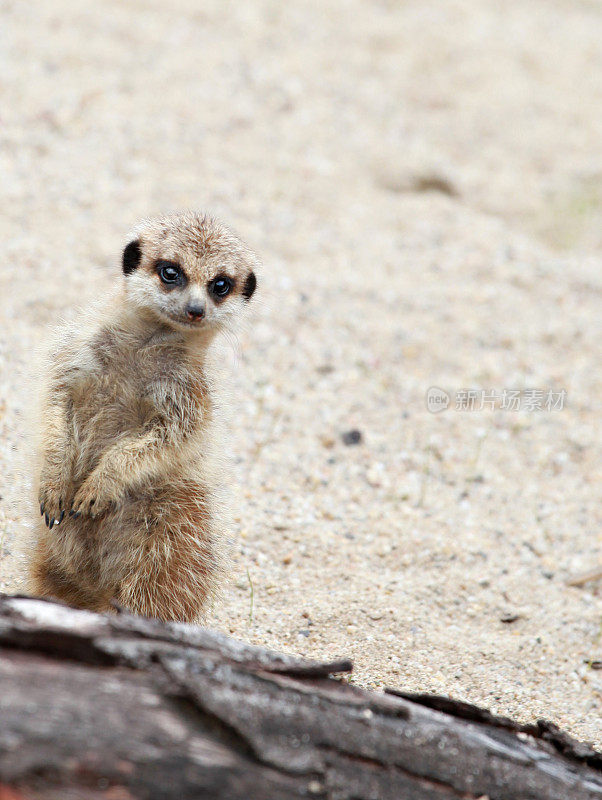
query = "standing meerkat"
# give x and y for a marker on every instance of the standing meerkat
(127, 421)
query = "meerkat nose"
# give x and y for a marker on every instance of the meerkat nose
(195, 312)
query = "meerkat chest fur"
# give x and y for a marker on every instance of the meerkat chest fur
(125, 462)
(127, 381)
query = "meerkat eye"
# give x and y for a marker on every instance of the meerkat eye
(221, 286)
(169, 272)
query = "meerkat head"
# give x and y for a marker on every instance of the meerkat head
(190, 271)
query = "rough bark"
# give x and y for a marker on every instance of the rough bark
(119, 707)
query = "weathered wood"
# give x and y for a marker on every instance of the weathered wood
(120, 707)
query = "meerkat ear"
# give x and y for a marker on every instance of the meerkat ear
(249, 287)
(131, 257)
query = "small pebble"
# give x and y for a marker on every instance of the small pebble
(352, 437)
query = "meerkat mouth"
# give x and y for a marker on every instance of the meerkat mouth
(182, 321)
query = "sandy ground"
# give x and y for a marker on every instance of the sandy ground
(424, 183)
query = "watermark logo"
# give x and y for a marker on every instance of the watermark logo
(437, 399)
(491, 400)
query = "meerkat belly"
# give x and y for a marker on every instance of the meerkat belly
(167, 515)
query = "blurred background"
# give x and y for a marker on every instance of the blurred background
(423, 182)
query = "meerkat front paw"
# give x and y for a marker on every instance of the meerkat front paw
(52, 500)
(92, 498)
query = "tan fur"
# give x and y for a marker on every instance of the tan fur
(126, 434)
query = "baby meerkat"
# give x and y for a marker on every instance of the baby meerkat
(127, 423)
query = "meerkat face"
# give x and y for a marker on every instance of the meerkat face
(190, 271)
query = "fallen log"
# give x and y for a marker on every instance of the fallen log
(119, 707)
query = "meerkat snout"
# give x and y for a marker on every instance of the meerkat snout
(195, 312)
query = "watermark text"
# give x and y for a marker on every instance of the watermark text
(438, 400)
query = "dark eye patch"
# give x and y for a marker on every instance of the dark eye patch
(250, 286)
(170, 273)
(131, 257)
